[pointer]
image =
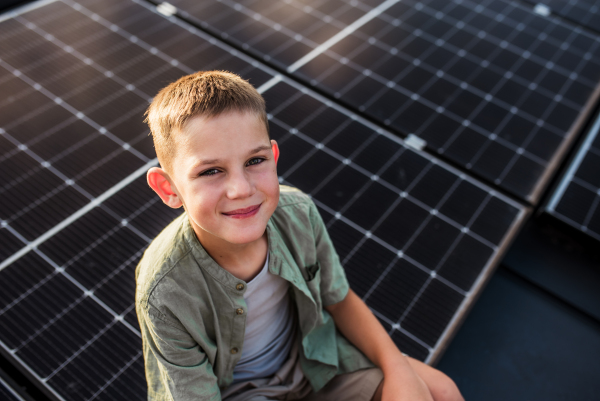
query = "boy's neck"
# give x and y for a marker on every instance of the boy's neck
(244, 261)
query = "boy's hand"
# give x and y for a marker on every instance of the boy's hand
(405, 379)
(402, 385)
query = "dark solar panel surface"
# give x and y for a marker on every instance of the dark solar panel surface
(577, 199)
(428, 233)
(275, 31)
(580, 12)
(490, 85)
(65, 147)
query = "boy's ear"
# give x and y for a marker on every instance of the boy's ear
(159, 182)
(275, 150)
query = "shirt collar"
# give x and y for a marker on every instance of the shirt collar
(207, 263)
(280, 259)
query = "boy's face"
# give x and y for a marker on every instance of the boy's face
(224, 174)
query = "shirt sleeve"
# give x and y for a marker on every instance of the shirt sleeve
(176, 366)
(334, 284)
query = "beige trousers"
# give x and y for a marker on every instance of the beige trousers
(289, 383)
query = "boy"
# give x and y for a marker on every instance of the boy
(242, 297)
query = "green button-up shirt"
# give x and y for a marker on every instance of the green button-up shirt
(187, 305)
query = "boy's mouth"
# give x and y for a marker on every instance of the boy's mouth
(243, 213)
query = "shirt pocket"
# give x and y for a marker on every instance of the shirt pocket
(312, 277)
(310, 272)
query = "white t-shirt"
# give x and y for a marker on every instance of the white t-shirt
(269, 327)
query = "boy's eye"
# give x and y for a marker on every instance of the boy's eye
(210, 172)
(256, 160)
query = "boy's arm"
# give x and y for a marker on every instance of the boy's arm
(175, 363)
(358, 324)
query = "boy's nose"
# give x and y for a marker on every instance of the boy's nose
(239, 186)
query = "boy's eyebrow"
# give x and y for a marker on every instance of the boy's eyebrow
(259, 149)
(217, 161)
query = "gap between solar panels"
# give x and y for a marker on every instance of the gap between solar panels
(582, 14)
(570, 173)
(576, 198)
(7, 393)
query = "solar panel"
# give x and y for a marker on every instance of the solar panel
(7, 393)
(418, 238)
(491, 86)
(580, 12)
(576, 199)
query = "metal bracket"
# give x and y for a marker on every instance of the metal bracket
(415, 142)
(166, 9)
(542, 9)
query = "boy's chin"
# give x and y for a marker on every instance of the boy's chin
(242, 238)
(234, 236)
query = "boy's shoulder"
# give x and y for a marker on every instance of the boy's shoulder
(163, 253)
(292, 196)
(293, 204)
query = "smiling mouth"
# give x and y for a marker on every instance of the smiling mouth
(243, 213)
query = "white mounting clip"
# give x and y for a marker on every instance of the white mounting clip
(542, 9)
(415, 142)
(166, 9)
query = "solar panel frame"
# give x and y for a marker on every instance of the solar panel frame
(127, 221)
(584, 13)
(576, 198)
(7, 393)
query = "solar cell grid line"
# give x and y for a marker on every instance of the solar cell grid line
(436, 71)
(585, 13)
(576, 199)
(274, 31)
(11, 241)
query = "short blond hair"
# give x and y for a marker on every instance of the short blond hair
(204, 93)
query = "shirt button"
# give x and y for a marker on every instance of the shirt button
(239, 287)
(239, 311)
(234, 350)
